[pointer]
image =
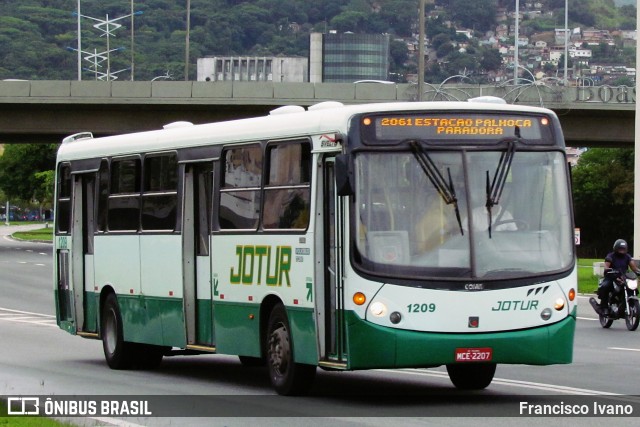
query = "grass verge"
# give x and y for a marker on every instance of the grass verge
(19, 421)
(40, 234)
(587, 282)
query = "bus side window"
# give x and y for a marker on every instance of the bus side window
(287, 191)
(124, 195)
(103, 196)
(63, 214)
(160, 193)
(240, 188)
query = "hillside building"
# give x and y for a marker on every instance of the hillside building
(348, 57)
(253, 69)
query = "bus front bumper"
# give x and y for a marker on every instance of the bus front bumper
(373, 346)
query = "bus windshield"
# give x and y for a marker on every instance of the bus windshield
(406, 227)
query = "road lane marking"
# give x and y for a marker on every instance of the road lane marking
(34, 322)
(20, 316)
(29, 250)
(115, 422)
(623, 349)
(510, 383)
(586, 318)
(42, 253)
(40, 265)
(11, 310)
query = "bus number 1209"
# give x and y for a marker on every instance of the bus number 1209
(421, 308)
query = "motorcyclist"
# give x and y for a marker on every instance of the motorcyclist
(618, 260)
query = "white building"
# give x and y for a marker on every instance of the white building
(579, 53)
(253, 69)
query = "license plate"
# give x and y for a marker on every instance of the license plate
(474, 354)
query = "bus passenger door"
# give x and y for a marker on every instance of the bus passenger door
(331, 302)
(82, 231)
(196, 229)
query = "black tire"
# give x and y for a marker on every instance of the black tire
(472, 376)
(118, 353)
(633, 317)
(149, 356)
(605, 321)
(287, 377)
(252, 362)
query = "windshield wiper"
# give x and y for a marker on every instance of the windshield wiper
(494, 189)
(446, 190)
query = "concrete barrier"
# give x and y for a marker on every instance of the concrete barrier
(598, 269)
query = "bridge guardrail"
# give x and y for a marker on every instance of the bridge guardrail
(269, 93)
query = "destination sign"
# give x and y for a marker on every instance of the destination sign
(470, 127)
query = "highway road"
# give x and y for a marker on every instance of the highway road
(36, 358)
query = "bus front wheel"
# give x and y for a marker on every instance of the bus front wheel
(287, 377)
(473, 376)
(118, 353)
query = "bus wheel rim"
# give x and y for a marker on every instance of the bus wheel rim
(280, 351)
(111, 332)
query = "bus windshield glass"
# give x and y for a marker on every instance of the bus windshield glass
(406, 224)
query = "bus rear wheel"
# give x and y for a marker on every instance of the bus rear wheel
(149, 356)
(118, 353)
(474, 376)
(287, 377)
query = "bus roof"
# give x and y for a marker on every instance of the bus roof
(329, 117)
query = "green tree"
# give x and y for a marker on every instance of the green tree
(490, 60)
(46, 184)
(19, 165)
(603, 198)
(477, 14)
(399, 54)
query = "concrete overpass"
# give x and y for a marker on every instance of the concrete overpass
(46, 111)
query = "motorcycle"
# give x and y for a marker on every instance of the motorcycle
(623, 300)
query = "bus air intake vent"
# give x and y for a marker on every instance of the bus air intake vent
(326, 105)
(487, 100)
(77, 137)
(287, 109)
(176, 125)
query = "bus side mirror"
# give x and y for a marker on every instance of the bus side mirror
(344, 175)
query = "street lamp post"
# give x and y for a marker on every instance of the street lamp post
(107, 27)
(79, 44)
(636, 179)
(421, 35)
(516, 46)
(186, 43)
(132, 42)
(566, 40)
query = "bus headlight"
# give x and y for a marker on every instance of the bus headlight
(559, 305)
(378, 309)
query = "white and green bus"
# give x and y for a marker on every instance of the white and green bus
(396, 235)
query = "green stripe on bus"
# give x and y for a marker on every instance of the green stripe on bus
(236, 331)
(303, 330)
(204, 328)
(91, 300)
(232, 320)
(373, 346)
(153, 320)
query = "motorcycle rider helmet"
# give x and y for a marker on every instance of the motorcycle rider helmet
(620, 244)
